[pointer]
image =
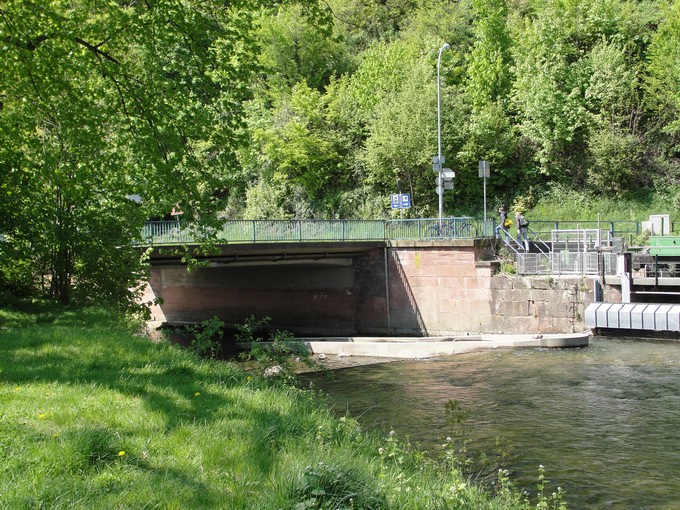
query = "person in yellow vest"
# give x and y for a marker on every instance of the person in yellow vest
(503, 224)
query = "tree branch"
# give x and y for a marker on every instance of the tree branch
(97, 51)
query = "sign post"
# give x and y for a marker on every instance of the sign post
(484, 172)
(444, 179)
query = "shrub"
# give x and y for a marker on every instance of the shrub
(277, 355)
(205, 337)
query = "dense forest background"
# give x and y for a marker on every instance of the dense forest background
(306, 109)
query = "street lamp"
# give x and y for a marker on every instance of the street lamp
(439, 129)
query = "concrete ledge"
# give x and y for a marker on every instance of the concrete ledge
(437, 346)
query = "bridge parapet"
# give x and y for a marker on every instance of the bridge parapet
(164, 233)
(157, 233)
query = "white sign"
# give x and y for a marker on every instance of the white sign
(484, 169)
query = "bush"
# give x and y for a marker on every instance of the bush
(205, 337)
(276, 356)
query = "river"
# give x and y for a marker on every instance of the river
(604, 421)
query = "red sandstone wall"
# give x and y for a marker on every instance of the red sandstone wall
(300, 298)
(442, 288)
(437, 290)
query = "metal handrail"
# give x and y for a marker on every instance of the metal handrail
(539, 243)
(616, 228)
(157, 233)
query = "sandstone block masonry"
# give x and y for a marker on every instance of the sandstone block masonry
(453, 288)
(435, 288)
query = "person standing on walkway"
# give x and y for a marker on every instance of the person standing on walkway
(522, 230)
(503, 223)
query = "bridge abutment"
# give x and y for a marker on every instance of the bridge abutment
(423, 288)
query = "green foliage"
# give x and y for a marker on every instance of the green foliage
(455, 449)
(275, 356)
(95, 113)
(642, 239)
(401, 138)
(488, 73)
(553, 501)
(488, 134)
(296, 50)
(103, 102)
(18, 279)
(313, 110)
(663, 79)
(507, 268)
(330, 486)
(560, 201)
(365, 22)
(617, 159)
(206, 337)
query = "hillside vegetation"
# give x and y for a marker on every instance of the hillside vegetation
(112, 113)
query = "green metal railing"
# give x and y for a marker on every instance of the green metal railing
(267, 231)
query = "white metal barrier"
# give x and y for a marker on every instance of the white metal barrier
(567, 263)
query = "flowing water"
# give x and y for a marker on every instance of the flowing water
(603, 420)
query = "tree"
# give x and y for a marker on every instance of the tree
(296, 147)
(107, 100)
(662, 87)
(294, 49)
(402, 139)
(614, 147)
(488, 71)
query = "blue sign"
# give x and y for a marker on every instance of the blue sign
(405, 200)
(401, 201)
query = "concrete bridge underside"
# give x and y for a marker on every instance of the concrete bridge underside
(419, 288)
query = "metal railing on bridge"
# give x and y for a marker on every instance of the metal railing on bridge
(156, 233)
(561, 258)
(254, 231)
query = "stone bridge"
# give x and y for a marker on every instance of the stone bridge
(388, 287)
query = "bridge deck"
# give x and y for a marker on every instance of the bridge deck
(267, 252)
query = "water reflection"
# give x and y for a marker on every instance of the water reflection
(604, 420)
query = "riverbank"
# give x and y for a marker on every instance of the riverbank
(104, 418)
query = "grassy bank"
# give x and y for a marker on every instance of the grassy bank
(94, 416)
(561, 203)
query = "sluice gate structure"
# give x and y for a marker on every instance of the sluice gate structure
(649, 283)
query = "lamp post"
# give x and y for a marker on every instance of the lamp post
(439, 129)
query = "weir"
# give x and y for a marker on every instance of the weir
(638, 316)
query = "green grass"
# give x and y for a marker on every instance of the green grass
(92, 416)
(561, 203)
